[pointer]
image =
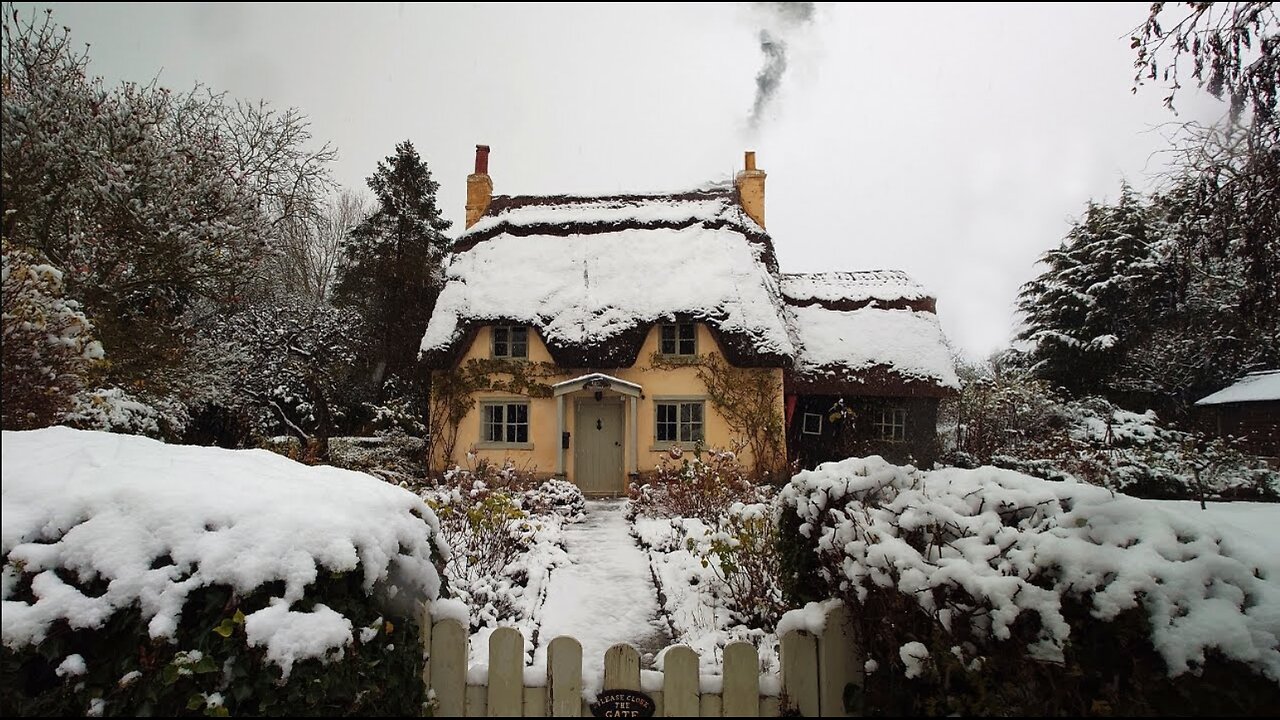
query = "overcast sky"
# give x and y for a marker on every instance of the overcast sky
(955, 142)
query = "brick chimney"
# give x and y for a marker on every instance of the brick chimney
(479, 187)
(750, 185)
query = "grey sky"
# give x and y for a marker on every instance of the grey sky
(955, 142)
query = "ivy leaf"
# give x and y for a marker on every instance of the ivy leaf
(170, 674)
(195, 702)
(238, 618)
(206, 665)
(225, 628)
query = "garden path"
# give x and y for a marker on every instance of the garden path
(606, 595)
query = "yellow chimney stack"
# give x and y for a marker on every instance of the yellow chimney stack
(479, 187)
(750, 185)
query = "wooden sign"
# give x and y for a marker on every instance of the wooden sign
(623, 703)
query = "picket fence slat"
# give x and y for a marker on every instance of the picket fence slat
(449, 667)
(506, 673)
(622, 668)
(837, 662)
(815, 674)
(680, 682)
(741, 693)
(800, 672)
(564, 677)
(424, 640)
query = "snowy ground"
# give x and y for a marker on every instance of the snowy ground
(606, 595)
(1254, 526)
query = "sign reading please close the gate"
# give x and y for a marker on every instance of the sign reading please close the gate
(623, 703)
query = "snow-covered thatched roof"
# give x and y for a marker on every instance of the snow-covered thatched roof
(875, 329)
(592, 274)
(1255, 387)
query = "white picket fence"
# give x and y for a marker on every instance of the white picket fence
(816, 670)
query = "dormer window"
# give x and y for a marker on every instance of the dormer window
(678, 339)
(511, 342)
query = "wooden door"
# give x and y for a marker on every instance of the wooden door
(597, 447)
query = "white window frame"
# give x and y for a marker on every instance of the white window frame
(697, 428)
(804, 424)
(509, 331)
(678, 343)
(510, 425)
(892, 425)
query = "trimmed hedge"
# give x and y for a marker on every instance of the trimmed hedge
(130, 674)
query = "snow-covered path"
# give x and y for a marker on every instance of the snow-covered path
(606, 595)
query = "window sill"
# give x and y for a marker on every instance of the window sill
(665, 446)
(504, 446)
(509, 359)
(679, 359)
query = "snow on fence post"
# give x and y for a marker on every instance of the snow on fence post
(838, 662)
(622, 668)
(564, 677)
(680, 682)
(424, 638)
(449, 667)
(741, 691)
(506, 673)
(799, 660)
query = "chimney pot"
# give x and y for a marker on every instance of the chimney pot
(482, 159)
(750, 159)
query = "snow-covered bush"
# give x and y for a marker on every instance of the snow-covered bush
(1018, 423)
(48, 342)
(1021, 590)
(395, 457)
(742, 549)
(114, 410)
(504, 527)
(145, 578)
(691, 486)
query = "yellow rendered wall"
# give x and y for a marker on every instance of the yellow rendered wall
(543, 431)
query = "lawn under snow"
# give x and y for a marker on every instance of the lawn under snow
(108, 507)
(1020, 544)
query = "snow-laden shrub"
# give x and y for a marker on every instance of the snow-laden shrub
(742, 550)
(1033, 596)
(702, 484)
(394, 457)
(505, 539)
(199, 579)
(1020, 425)
(114, 410)
(48, 342)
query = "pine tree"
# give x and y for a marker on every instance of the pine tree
(1102, 282)
(392, 267)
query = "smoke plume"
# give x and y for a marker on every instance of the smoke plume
(781, 18)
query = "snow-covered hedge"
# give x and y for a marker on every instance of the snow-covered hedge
(986, 568)
(250, 582)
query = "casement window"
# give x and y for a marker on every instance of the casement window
(811, 424)
(680, 340)
(511, 341)
(679, 421)
(892, 425)
(504, 422)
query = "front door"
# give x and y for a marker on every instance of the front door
(597, 447)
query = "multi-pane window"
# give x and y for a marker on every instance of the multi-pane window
(505, 422)
(811, 424)
(511, 341)
(678, 340)
(679, 421)
(892, 425)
